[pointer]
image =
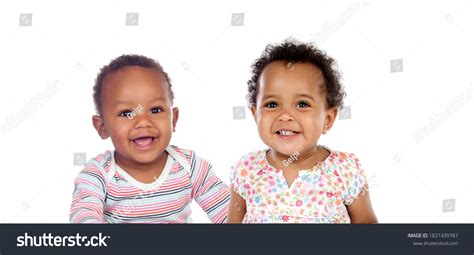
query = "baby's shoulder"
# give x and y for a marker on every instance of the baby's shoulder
(346, 172)
(187, 157)
(254, 157)
(342, 158)
(342, 164)
(250, 161)
(246, 165)
(188, 154)
(99, 166)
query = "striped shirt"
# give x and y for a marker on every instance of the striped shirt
(105, 193)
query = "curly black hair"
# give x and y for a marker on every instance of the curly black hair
(297, 52)
(122, 62)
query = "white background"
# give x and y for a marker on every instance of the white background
(412, 129)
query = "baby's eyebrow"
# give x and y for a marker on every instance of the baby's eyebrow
(127, 102)
(268, 96)
(305, 95)
(158, 99)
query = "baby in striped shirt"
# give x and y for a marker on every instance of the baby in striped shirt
(145, 179)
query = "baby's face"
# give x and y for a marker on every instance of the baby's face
(290, 111)
(137, 113)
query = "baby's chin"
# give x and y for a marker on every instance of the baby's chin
(142, 157)
(286, 150)
(292, 149)
(147, 157)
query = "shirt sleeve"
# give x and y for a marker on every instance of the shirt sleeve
(88, 198)
(209, 191)
(237, 178)
(353, 178)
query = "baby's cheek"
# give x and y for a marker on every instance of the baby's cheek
(166, 132)
(120, 137)
(265, 127)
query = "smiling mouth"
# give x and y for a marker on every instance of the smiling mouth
(144, 142)
(287, 133)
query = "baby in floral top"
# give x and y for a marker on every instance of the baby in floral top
(294, 95)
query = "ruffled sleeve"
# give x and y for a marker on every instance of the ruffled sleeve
(352, 177)
(239, 175)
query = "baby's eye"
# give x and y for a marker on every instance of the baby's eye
(303, 104)
(271, 105)
(156, 110)
(126, 113)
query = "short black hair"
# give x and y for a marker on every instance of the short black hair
(122, 62)
(291, 50)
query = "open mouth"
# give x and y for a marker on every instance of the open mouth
(287, 132)
(144, 142)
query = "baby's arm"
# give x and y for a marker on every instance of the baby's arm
(360, 211)
(88, 197)
(209, 191)
(237, 208)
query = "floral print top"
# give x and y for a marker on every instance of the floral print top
(317, 195)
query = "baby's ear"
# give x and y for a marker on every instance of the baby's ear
(175, 117)
(99, 125)
(331, 115)
(253, 109)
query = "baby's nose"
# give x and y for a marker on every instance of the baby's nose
(285, 116)
(143, 120)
